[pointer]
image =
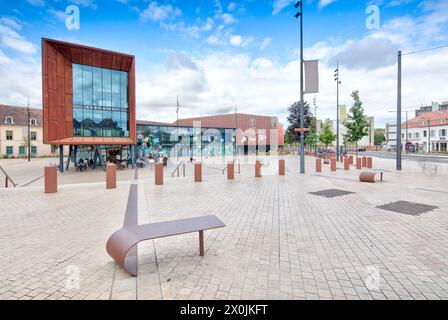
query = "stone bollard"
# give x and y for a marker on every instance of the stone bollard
(364, 162)
(358, 164)
(111, 176)
(198, 172)
(51, 179)
(351, 160)
(369, 162)
(230, 170)
(159, 174)
(318, 165)
(281, 167)
(257, 169)
(333, 165)
(346, 164)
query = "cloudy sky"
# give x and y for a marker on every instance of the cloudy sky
(218, 54)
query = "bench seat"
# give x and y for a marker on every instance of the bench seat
(121, 242)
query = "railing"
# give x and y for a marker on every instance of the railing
(234, 161)
(177, 170)
(7, 178)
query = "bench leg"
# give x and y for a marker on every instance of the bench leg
(201, 243)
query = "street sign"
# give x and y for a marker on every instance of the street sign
(302, 129)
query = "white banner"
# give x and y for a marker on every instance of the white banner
(311, 76)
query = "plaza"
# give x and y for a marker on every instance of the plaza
(280, 241)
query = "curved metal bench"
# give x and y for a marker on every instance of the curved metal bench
(121, 245)
(370, 176)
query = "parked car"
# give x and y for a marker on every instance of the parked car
(362, 149)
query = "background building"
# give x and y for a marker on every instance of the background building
(426, 132)
(218, 135)
(432, 108)
(391, 136)
(14, 133)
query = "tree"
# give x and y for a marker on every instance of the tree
(356, 123)
(294, 120)
(327, 136)
(380, 136)
(312, 138)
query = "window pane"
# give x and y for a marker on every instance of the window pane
(77, 84)
(115, 89)
(107, 87)
(87, 85)
(124, 90)
(97, 87)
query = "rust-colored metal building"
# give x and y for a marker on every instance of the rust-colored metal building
(88, 97)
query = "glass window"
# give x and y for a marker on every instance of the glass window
(33, 149)
(87, 85)
(101, 102)
(116, 89)
(33, 136)
(77, 85)
(21, 151)
(9, 135)
(433, 133)
(124, 90)
(9, 151)
(97, 87)
(425, 133)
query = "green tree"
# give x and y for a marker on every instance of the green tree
(356, 124)
(380, 136)
(312, 137)
(294, 121)
(327, 136)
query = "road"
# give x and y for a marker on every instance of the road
(411, 157)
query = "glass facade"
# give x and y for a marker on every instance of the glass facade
(100, 102)
(182, 141)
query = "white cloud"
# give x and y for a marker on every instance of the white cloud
(324, 3)
(228, 18)
(156, 12)
(39, 3)
(232, 6)
(265, 43)
(12, 39)
(279, 5)
(236, 40)
(57, 14)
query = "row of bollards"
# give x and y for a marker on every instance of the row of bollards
(51, 174)
(347, 161)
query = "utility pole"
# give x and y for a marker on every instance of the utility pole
(315, 126)
(302, 113)
(336, 75)
(399, 114)
(29, 133)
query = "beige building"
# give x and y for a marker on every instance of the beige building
(14, 133)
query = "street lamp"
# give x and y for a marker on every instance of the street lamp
(315, 126)
(336, 78)
(299, 4)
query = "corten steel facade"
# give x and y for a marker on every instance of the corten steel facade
(61, 66)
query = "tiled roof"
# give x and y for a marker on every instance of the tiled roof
(422, 120)
(19, 115)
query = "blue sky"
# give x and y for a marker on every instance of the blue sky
(216, 54)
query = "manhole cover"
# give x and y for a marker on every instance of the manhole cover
(406, 207)
(331, 193)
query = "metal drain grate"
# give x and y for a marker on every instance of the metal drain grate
(331, 193)
(406, 207)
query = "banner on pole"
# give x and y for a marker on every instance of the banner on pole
(311, 76)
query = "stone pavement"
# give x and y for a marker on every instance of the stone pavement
(280, 242)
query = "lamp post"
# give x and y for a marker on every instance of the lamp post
(336, 78)
(315, 126)
(302, 122)
(29, 133)
(399, 114)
